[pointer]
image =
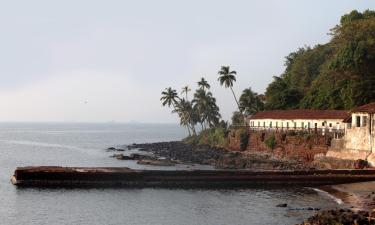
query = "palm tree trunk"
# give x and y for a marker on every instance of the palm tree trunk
(238, 105)
(188, 130)
(193, 129)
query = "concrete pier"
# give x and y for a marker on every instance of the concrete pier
(125, 177)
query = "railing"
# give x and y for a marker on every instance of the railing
(335, 132)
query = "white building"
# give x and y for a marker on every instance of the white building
(360, 129)
(298, 119)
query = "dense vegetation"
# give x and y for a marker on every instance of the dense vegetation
(337, 75)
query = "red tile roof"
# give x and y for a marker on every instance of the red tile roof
(301, 114)
(370, 108)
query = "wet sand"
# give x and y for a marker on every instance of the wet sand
(356, 196)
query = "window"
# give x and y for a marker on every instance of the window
(316, 125)
(357, 121)
(330, 124)
(271, 124)
(308, 125)
(264, 124)
(287, 124)
(277, 124)
(258, 124)
(302, 124)
(295, 125)
(322, 124)
(364, 121)
(282, 124)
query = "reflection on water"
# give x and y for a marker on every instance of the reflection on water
(84, 144)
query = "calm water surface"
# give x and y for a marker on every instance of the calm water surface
(23, 144)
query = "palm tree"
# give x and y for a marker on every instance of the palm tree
(227, 78)
(185, 90)
(206, 108)
(184, 109)
(250, 102)
(212, 111)
(203, 84)
(199, 102)
(169, 97)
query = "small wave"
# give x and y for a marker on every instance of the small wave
(337, 200)
(43, 144)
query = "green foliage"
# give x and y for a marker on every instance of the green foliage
(202, 109)
(250, 102)
(213, 137)
(205, 106)
(243, 136)
(237, 119)
(336, 75)
(271, 142)
(279, 95)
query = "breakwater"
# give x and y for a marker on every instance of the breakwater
(125, 177)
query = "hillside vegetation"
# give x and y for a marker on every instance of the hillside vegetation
(337, 75)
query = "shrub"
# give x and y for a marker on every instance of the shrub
(271, 142)
(243, 136)
(220, 137)
(214, 136)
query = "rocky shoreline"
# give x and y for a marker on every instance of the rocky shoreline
(180, 152)
(341, 217)
(216, 156)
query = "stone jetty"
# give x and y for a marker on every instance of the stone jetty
(124, 177)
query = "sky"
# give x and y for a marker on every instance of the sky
(104, 61)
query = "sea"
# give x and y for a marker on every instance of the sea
(84, 144)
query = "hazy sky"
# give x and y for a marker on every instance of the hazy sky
(98, 61)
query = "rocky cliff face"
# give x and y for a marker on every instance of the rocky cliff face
(296, 145)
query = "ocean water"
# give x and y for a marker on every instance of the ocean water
(29, 144)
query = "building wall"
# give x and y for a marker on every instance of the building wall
(359, 135)
(297, 123)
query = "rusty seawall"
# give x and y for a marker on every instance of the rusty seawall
(124, 177)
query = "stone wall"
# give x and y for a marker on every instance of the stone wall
(298, 145)
(357, 138)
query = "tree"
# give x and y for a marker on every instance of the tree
(186, 112)
(250, 102)
(227, 78)
(185, 90)
(180, 106)
(279, 95)
(169, 97)
(337, 75)
(206, 108)
(203, 84)
(237, 119)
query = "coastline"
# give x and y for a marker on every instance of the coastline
(218, 157)
(356, 196)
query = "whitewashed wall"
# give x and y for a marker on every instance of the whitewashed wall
(277, 123)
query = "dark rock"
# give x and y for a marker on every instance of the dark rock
(340, 216)
(134, 156)
(361, 164)
(158, 162)
(215, 156)
(282, 205)
(111, 149)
